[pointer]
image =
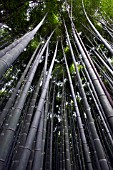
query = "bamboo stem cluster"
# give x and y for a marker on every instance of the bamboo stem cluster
(57, 119)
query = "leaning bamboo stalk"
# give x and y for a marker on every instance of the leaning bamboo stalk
(46, 135)
(104, 140)
(25, 129)
(8, 48)
(103, 62)
(100, 51)
(106, 24)
(108, 31)
(92, 146)
(99, 111)
(16, 102)
(44, 131)
(99, 86)
(92, 33)
(97, 142)
(28, 146)
(46, 109)
(84, 141)
(45, 64)
(105, 75)
(12, 97)
(103, 99)
(96, 31)
(8, 137)
(102, 114)
(38, 148)
(39, 138)
(12, 149)
(12, 55)
(9, 115)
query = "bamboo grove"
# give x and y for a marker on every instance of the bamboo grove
(56, 106)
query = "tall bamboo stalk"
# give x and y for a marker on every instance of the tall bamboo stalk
(14, 93)
(84, 141)
(101, 94)
(35, 123)
(96, 31)
(12, 55)
(10, 131)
